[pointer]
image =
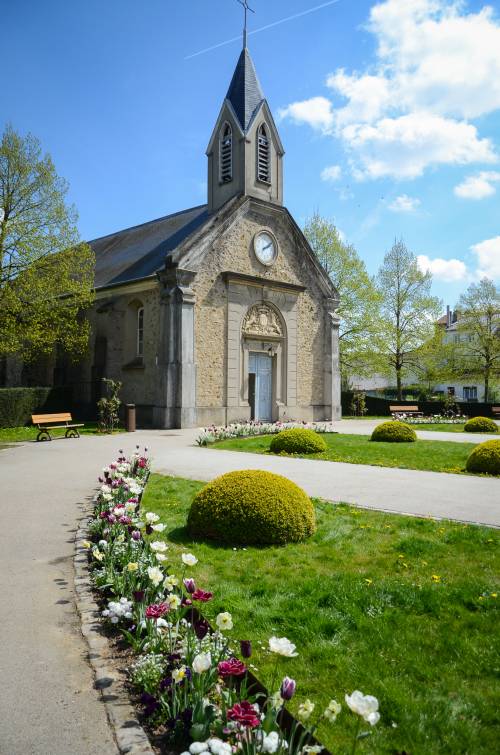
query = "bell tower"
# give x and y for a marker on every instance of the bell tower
(245, 153)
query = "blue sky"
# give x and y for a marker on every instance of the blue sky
(389, 113)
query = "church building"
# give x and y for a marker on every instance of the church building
(221, 312)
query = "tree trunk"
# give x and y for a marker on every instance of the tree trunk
(486, 386)
(398, 383)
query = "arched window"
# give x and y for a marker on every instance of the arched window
(140, 332)
(263, 156)
(226, 153)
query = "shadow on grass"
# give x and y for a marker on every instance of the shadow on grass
(181, 536)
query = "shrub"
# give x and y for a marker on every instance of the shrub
(252, 507)
(108, 406)
(485, 458)
(297, 441)
(18, 404)
(480, 425)
(394, 432)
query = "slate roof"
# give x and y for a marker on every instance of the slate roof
(138, 252)
(245, 93)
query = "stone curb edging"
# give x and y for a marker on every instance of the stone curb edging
(131, 739)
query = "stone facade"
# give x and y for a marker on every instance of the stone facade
(291, 287)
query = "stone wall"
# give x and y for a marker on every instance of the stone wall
(233, 251)
(114, 322)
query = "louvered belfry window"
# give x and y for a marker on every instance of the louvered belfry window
(263, 156)
(226, 154)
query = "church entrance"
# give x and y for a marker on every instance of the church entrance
(260, 370)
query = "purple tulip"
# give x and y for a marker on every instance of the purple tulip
(246, 648)
(200, 628)
(138, 596)
(190, 585)
(287, 690)
(136, 535)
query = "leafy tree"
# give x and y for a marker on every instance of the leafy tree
(408, 311)
(477, 352)
(434, 363)
(46, 274)
(359, 300)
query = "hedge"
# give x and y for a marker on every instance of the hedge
(377, 405)
(18, 404)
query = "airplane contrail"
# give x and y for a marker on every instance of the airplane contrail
(263, 28)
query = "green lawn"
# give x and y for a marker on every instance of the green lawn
(444, 428)
(432, 455)
(360, 602)
(16, 434)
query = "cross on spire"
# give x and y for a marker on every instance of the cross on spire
(246, 7)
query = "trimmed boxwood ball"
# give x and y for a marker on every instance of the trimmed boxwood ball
(485, 458)
(252, 507)
(480, 425)
(394, 432)
(297, 441)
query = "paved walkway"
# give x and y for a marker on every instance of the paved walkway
(48, 705)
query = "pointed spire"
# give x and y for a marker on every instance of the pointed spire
(245, 93)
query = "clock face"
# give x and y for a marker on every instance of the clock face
(265, 248)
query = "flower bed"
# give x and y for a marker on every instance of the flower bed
(248, 429)
(434, 419)
(193, 677)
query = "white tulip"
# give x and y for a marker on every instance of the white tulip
(155, 575)
(224, 621)
(158, 546)
(198, 747)
(365, 706)
(202, 662)
(188, 559)
(282, 646)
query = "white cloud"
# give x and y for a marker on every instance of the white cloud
(404, 147)
(478, 186)
(488, 258)
(332, 173)
(316, 112)
(404, 203)
(437, 67)
(445, 270)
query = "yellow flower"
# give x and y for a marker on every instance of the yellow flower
(132, 566)
(494, 595)
(436, 578)
(368, 581)
(86, 544)
(178, 674)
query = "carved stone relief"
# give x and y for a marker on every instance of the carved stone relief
(261, 320)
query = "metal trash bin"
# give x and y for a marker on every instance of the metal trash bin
(130, 418)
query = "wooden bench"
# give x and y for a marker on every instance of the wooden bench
(495, 410)
(48, 422)
(396, 411)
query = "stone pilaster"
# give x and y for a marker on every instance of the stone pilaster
(332, 360)
(176, 391)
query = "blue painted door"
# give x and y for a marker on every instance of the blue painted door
(262, 366)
